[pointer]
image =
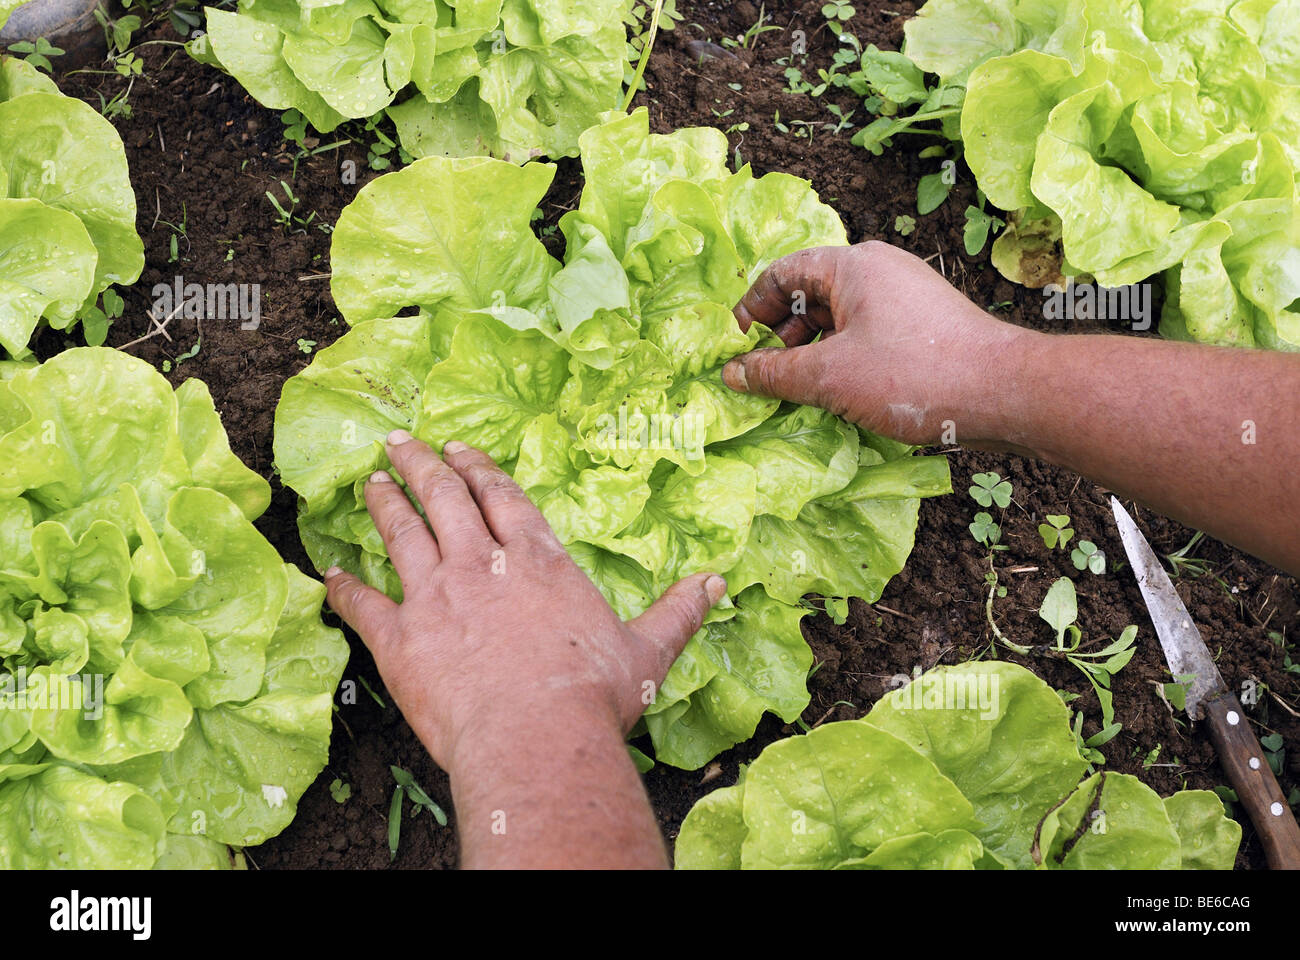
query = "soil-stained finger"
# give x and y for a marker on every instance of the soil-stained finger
(796, 285)
(505, 507)
(407, 537)
(454, 517)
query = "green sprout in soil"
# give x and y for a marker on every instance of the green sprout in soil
(932, 190)
(1182, 564)
(284, 217)
(1088, 556)
(1056, 531)
(990, 488)
(838, 10)
(978, 224)
(373, 696)
(406, 785)
(1060, 610)
(340, 791)
(749, 38)
(37, 52)
(306, 346)
(1274, 752)
(118, 32)
(985, 531)
(904, 225)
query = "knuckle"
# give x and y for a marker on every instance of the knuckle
(438, 480)
(494, 484)
(406, 530)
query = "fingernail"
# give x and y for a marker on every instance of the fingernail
(399, 437)
(733, 375)
(333, 572)
(454, 446)
(715, 587)
(381, 476)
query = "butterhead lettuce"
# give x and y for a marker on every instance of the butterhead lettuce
(67, 211)
(966, 767)
(166, 681)
(596, 382)
(1144, 137)
(508, 78)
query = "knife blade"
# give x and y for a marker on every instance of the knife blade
(1185, 651)
(1208, 696)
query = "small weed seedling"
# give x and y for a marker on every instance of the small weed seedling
(746, 40)
(1274, 752)
(904, 225)
(990, 488)
(38, 53)
(1088, 556)
(118, 32)
(1056, 531)
(840, 10)
(1060, 610)
(406, 785)
(1182, 564)
(306, 346)
(340, 791)
(284, 217)
(978, 226)
(373, 696)
(985, 531)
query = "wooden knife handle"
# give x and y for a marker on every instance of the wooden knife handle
(1247, 768)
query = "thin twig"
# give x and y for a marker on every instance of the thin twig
(157, 327)
(884, 609)
(1284, 705)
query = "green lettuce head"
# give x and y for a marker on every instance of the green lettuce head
(67, 211)
(967, 767)
(166, 681)
(508, 78)
(1142, 137)
(596, 383)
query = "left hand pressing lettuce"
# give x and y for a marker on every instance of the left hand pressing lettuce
(516, 79)
(596, 383)
(166, 681)
(67, 211)
(967, 767)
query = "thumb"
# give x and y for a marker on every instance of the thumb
(676, 617)
(797, 374)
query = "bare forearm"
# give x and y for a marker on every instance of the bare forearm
(1208, 436)
(554, 792)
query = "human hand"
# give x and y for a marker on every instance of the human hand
(902, 351)
(498, 623)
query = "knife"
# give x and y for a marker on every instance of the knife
(1208, 697)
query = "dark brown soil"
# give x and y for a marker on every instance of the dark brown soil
(202, 156)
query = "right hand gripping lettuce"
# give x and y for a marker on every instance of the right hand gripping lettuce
(596, 383)
(966, 767)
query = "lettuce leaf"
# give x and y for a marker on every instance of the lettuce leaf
(67, 211)
(966, 767)
(163, 673)
(596, 382)
(516, 79)
(1143, 137)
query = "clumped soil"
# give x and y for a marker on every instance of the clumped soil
(203, 155)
